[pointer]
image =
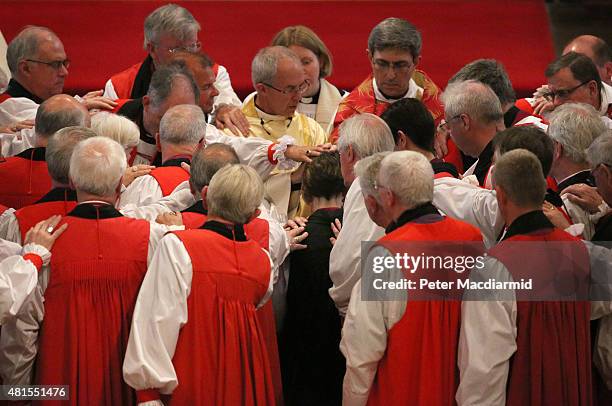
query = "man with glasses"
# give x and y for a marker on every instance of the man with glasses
(280, 81)
(39, 66)
(167, 30)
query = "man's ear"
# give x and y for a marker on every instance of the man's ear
(417, 60)
(260, 88)
(557, 150)
(255, 214)
(23, 67)
(369, 54)
(350, 154)
(404, 143)
(501, 196)
(157, 140)
(593, 90)
(203, 193)
(608, 71)
(71, 184)
(146, 101)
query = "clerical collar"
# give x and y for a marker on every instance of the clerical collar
(235, 232)
(15, 89)
(578, 177)
(412, 214)
(311, 99)
(528, 223)
(484, 163)
(33, 154)
(198, 207)
(177, 160)
(270, 117)
(59, 194)
(94, 209)
(413, 92)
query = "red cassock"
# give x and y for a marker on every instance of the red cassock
(257, 230)
(221, 356)
(169, 177)
(24, 178)
(552, 362)
(97, 267)
(420, 363)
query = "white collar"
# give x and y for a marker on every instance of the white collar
(413, 91)
(606, 98)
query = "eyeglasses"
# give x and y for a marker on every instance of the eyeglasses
(401, 66)
(562, 93)
(444, 123)
(291, 89)
(195, 47)
(57, 65)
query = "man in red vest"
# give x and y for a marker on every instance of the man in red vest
(534, 347)
(402, 351)
(61, 199)
(180, 131)
(23, 177)
(204, 286)
(94, 277)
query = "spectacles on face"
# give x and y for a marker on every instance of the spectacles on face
(444, 124)
(384, 66)
(562, 93)
(192, 48)
(57, 65)
(291, 89)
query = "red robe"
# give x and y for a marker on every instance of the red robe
(24, 178)
(169, 177)
(363, 100)
(96, 272)
(552, 363)
(59, 201)
(420, 363)
(221, 356)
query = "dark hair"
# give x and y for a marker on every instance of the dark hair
(395, 33)
(322, 177)
(490, 72)
(187, 57)
(581, 66)
(412, 118)
(162, 82)
(528, 137)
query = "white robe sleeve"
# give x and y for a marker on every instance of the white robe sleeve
(160, 313)
(109, 90)
(487, 340)
(579, 216)
(345, 257)
(469, 203)
(180, 199)
(143, 191)
(9, 227)
(15, 143)
(17, 109)
(224, 86)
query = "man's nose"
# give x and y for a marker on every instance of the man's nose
(63, 71)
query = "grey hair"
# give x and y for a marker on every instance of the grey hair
(59, 150)
(491, 73)
(164, 79)
(184, 124)
(234, 193)
(207, 161)
(409, 176)
(265, 63)
(25, 45)
(53, 115)
(366, 134)
(170, 19)
(600, 151)
(97, 166)
(116, 127)
(473, 98)
(395, 33)
(575, 126)
(366, 170)
(519, 173)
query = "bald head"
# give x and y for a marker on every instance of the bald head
(207, 161)
(597, 50)
(58, 112)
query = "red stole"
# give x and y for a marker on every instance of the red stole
(552, 363)
(221, 356)
(23, 178)
(420, 363)
(169, 177)
(29, 216)
(97, 267)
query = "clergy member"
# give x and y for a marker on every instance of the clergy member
(205, 285)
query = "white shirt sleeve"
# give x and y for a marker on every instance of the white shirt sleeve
(17, 109)
(16, 143)
(9, 227)
(345, 257)
(143, 191)
(487, 340)
(180, 199)
(224, 86)
(159, 315)
(579, 216)
(109, 90)
(469, 203)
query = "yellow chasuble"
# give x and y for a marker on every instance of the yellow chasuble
(304, 130)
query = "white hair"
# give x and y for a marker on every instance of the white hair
(366, 134)
(234, 193)
(265, 63)
(367, 169)
(116, 127)
(600, 151)
(169, 19)
(97, 166)
(575, 126)
(184, 124)
(409, 176)
(25, 45)
(473, 98)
